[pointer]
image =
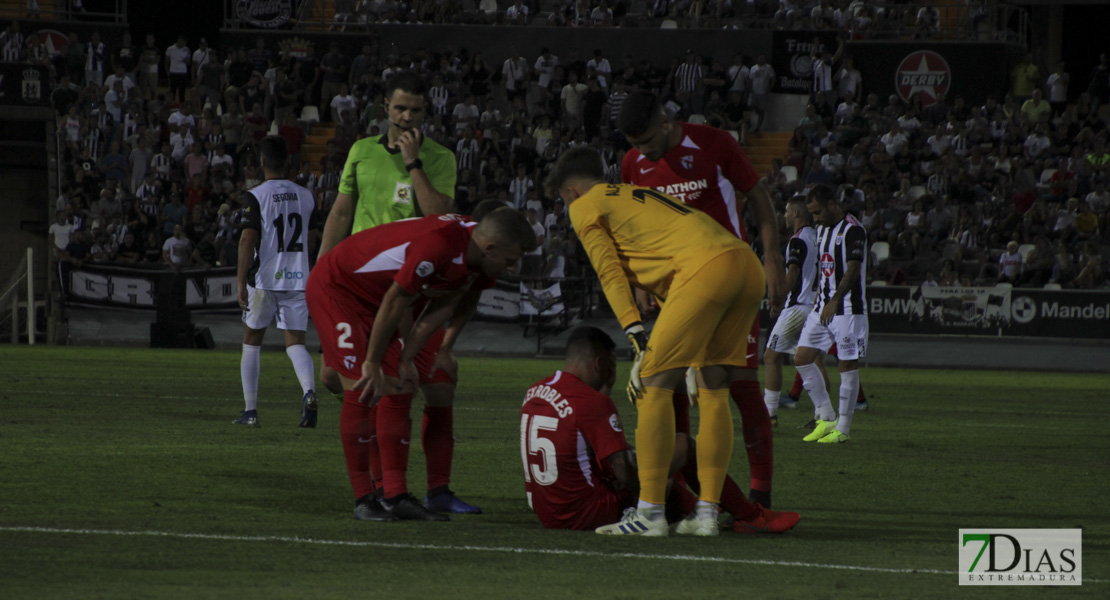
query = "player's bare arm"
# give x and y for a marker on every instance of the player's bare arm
(793, 272)
(428, 198)
(759, 201)
(248, 244)
(623, 465)
(374, 382)
(338, 225)
(438, 312)
(851, 275)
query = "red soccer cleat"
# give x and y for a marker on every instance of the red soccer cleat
(767, 521)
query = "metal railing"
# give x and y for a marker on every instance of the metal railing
(64, 10)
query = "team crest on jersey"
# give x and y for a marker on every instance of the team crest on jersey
(615, 423)
(424, 269)
(349, 361)
(688, 162)
(402, 193)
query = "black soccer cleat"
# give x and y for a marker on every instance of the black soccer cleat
(407, 508)
(369, 508)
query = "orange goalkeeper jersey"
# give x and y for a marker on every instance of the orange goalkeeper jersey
(643, 236)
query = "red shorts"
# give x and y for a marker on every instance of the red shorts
(343, 325)
(603, 508)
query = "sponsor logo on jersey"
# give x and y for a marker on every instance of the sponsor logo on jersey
(644, 171)
(287, 274)
(923, 72)
(686, 191)
(828, 265)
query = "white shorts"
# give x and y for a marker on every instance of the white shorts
(788, 328)
(289, 307)
(848, 332)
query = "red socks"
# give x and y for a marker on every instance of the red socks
(438, 438)
(394, 432)
(354, 430)
(756, 423)
(796, 389)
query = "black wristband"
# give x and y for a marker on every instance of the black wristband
(416, 164)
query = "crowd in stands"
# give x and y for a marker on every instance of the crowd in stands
(154, 165)
(1013, 190)
(860, 18)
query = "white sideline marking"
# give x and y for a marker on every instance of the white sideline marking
(451, 548)
(505, 549)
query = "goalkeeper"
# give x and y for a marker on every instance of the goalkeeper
(712, 284)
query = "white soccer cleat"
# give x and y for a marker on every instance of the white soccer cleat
(700, 526)
(633, 523)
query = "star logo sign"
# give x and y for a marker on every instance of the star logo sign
(923, 72)
(828, 265)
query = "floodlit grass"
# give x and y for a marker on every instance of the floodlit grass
(116, 442)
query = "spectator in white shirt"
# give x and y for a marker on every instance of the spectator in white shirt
(1010, 264)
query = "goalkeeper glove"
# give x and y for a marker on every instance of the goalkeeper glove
(692, 385)
(638, 338)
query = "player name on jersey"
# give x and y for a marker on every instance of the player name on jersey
(552, 397)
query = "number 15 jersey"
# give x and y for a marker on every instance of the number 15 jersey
(281, 211)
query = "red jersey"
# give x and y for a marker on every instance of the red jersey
(425, 256)
(707, 170)
(567, 430)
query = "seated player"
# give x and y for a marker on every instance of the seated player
(428, 272)
(580, 473)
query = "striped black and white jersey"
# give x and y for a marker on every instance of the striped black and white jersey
(838, 245)
(801, 250)
(281, 211)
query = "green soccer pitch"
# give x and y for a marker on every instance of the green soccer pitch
(121, 476)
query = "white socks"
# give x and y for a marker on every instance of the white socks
(849, 392)
(771, 399)
(706, 510)
(302, 364)
(249, 366)
(815, 385)
(651, 512)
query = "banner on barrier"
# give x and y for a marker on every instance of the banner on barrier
(791, 57)
(129, 287)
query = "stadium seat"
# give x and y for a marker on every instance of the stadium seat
(696, 119)
(881, 250)
(488, 6)
(310, 114)
(668, 24)
(1024, 251)
(917, 191)
(791, 173)
(1052, 286)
